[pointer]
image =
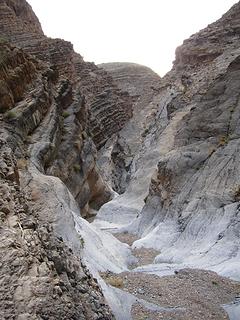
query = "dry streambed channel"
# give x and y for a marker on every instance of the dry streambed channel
(189, 294)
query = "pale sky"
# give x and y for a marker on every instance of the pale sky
(141, 31)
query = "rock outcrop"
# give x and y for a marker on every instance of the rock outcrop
(108, 106)
(86, 95)
(119, 153)
(18, 19)
(41, 277)
(187, 169)
(195, 188)
(49, 100)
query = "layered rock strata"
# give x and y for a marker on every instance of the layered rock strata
(83, 91)
(109, 107)
(46, 97)
(41, 270)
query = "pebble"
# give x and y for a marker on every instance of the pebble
(141, 291)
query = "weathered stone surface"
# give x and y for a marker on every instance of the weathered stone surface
(16, 72)
(46, 103)
(41, 277)
(118, 154)
(175, 162)
(134, 78)
(109, 107)
(93, 104)
(18, 19)
(188, 167)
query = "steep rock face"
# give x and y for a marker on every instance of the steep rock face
(52, 117)
(16, 73)
(42, 273)
(207, 66)
(196, 183)
(120, 153)
(17, 18)
(191, 213)
(44, 130)
(131, 77)
(87, 94)
(209, 43)
(46, 98)
(109, 107)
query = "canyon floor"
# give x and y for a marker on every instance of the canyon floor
(187, 295)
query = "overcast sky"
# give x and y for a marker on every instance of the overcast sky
(141, 31)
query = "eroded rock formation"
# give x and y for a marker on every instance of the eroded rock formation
(187, 170)
(119, 154)
(169, 146)
(109, 107)
(48, 98)
(41, 277)
(89, 100)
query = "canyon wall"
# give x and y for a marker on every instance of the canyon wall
(42, 277)
(72, 132)
(118, 156)
(90, 107)
(183, 195)
(53, 108)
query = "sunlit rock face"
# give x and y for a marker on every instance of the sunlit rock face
(187, 171)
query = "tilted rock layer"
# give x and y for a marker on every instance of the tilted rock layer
(42, 277)
(109, 107)
(83, 98)
(53, 108)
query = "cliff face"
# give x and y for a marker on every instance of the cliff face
(17, 19)
(42, 276)
(206, 70)
(53, 107)
(183, 194)
(108, 106)
(51, 117)
(81, 93)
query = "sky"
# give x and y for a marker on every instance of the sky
(141, 31)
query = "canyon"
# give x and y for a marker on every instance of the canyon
(119, 189)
